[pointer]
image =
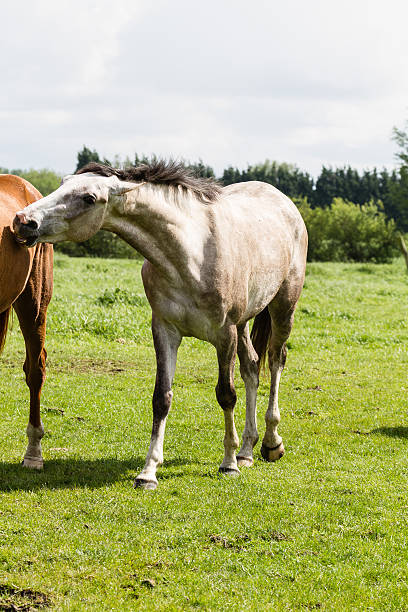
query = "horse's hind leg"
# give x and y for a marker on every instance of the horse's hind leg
(226, 346)
(166, 342)
(282, 312)
(248, 362)
(31, 309)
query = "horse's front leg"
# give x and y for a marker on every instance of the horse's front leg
(34, 369)
(31, 309)
(166, 342)
(226, 352)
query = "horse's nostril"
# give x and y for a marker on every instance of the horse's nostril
(32, 224)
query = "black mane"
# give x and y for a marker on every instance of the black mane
(160, 172)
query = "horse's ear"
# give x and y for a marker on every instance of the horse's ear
(121, 187)
(31, 194)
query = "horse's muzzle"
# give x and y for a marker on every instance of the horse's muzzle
(26, 231)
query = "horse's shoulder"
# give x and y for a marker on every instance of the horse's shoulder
(15, 260)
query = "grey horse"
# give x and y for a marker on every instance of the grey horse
(215, 258)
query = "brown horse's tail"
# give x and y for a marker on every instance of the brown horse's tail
(4, 319)
(261, 336)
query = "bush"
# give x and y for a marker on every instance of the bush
(348, 232)
(45, 181)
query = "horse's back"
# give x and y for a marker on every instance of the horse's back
(15, 260)
(262, 223)
(255, 199)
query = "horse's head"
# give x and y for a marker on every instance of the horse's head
(75, 211)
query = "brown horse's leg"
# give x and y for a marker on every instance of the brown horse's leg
(282, 313)
(226, 396)
(248, 365)
(166, 342)
(31, 309)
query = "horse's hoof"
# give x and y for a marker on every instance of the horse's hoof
(272, 454)
(147, 485)
(226, 471)
(34, 463)
(245, 461)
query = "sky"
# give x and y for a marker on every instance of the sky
(230, 82)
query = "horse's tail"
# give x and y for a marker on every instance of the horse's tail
(261, 336)
(4, 319)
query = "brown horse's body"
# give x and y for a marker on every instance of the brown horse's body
(26, 285)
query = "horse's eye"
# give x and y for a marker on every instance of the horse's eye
(89, 198)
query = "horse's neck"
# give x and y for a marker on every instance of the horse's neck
(170, 234)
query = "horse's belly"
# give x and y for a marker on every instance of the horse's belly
(190, 320)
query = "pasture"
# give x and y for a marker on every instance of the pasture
(324, 528)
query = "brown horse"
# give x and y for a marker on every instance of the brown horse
(215, 258)
(26, 285)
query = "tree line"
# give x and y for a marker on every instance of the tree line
(351, 216)
(347, 183)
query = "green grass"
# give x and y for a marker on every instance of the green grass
(324, 528)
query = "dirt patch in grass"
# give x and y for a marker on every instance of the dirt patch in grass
(96, 366)
(237, 543)
(241, 541)
(81, 366)
(12, 598)
(275, 536)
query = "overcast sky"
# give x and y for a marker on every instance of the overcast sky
(229, 81)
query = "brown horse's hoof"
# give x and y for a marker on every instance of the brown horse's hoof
(146, 485)
(272, 454)
(34, 463)
(225, 471)
(245, 461)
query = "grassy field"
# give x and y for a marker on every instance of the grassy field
(324, 528)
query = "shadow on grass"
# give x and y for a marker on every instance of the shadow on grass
(392, 432)
(73, 473)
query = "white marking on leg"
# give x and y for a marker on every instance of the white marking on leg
(33, 456)
(154, 456)
(272, 416)
(231, 442)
